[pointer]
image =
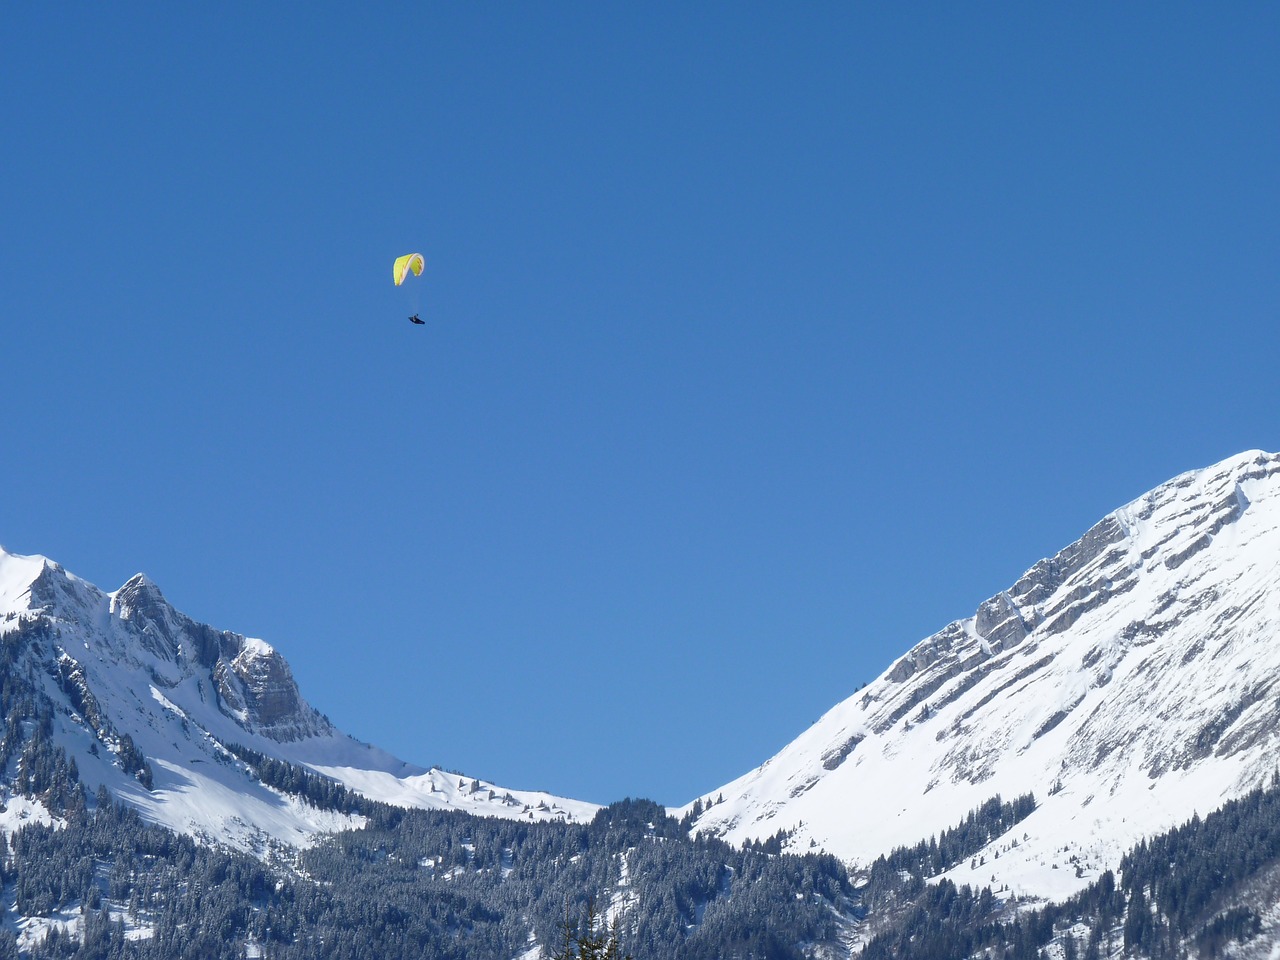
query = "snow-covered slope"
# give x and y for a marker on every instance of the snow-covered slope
(129, 676)
(1128, 682)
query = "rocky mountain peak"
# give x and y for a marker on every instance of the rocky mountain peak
(254, 682)
(157, 707)
(258, 689)
(158, 626)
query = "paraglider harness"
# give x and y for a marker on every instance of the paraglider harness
(416, 319)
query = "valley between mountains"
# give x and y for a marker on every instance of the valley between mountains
(1129, 682)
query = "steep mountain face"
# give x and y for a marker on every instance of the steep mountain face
(253, 682)
(1128, 682)
(145, 700)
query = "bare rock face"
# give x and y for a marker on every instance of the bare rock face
(1000, 623)
(258, 689)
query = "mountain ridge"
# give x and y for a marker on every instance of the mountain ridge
(150, 700)
(1074, 684)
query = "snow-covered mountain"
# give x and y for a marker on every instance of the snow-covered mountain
(134, 682)
(1128, 682)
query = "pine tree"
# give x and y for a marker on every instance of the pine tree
(590, 940)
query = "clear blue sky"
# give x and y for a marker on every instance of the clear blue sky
(761, 342)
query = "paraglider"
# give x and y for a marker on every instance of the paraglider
(409, 263)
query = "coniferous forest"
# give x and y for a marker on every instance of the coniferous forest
(415, 884)
(432, 884)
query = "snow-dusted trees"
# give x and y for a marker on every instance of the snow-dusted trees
(591, 938)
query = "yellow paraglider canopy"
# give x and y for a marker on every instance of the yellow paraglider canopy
(402, 266)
